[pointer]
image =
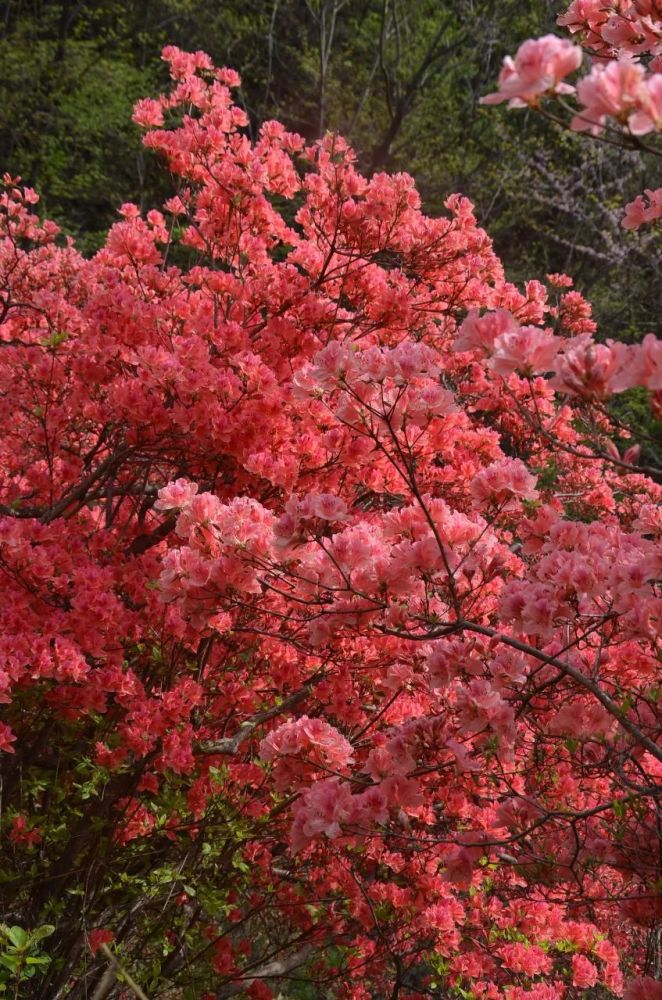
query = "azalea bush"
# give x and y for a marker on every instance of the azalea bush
(331, 619)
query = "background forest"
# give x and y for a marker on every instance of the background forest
(400, 78)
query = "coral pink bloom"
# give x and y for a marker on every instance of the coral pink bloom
(183, 65)
(584, 973)
(7, 737)
(148, 113)
(538, 68)
(528, 349)
(528, 959)
(583, 14)
(612, 91)
(635, 213)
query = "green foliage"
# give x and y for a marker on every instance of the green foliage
(632, 409)
(21, 957)
(65, 126)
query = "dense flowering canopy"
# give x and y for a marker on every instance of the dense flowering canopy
(327, 576)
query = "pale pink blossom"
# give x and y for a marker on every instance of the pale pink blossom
(538, 68)
(578, 719)
(478, 333)
(503, 484)
(303, 736)
(428, 402)
(325, 506)
(176, 494)
(480, 705)
(371, 806)
(320, 811)
(628, 34)
(532, 607)
(649, 520)
(589, 370)
(646, 366)
(649, 116)
(614, 90)
(582, 14)
(528, 349)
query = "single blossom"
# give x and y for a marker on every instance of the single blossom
(528, 350)
(538, 68)
(479, 333)
(590, 370)
(615, 90)
(148, 113)
(643, 209)
(503, 484)
(584, 973)
(649, 116)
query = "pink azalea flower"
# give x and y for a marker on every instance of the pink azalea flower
(528, 349)
(320, 811)
(590, 370)
(584, 973)
(639, 211)
(7, 737)
(646, 366)
(538, 68)
(478, 333)
(649, 116)
(614, 90)
(503, 484)
(148, 113)
(582, 14)
(176, 494)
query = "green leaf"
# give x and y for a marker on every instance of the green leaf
(619, 808)
(39, 933)
(18, 936)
